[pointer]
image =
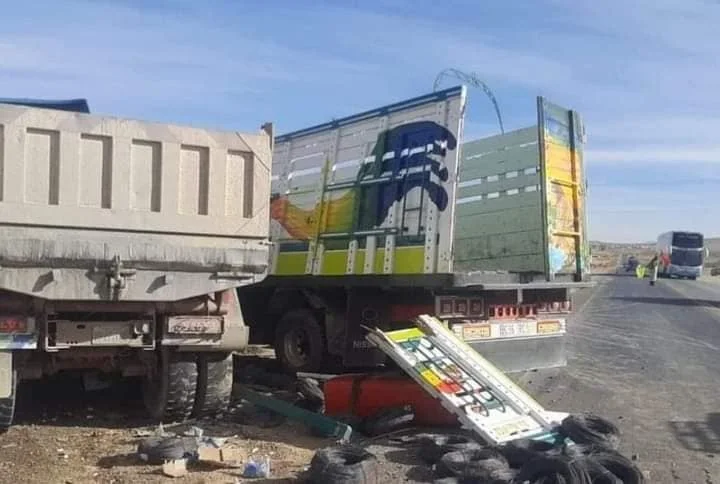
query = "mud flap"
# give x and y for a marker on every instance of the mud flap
(6, 372)
(366, 307)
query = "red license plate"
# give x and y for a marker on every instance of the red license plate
(13, 325)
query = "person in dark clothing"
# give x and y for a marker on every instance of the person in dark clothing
(652, 268)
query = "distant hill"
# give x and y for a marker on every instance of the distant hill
(712, 243)
(607, 254)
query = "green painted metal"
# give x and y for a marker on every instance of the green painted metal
(506, 219)
(326, 425)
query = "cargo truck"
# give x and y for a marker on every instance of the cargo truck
(388, 214)
(122, 244)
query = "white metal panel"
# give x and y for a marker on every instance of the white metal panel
(185, 209)
(119, 171)
(357, 161)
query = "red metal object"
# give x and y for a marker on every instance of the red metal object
(364, 395)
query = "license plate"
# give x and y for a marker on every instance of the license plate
(195, 326)
(475, 332)
(520, 328)
(13, 325)
(546, 327)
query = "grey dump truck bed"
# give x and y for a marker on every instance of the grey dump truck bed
(121, 245)
(97, 208)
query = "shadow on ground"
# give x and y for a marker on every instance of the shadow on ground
(699, 436)
(670, 301)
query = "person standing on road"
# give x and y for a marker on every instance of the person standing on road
(652, 268)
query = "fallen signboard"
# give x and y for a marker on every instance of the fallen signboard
(467, 385)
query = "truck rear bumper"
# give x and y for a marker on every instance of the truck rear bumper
(523, 354)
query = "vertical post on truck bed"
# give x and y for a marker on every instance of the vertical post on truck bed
(576, 176)
(543, 188)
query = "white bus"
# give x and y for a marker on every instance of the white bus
(681, 254)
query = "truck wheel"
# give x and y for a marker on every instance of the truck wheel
(169, 395)
(214, 384)
(7, 406)
(299, 342)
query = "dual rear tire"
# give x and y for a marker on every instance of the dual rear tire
(188, 385)
(7, 405)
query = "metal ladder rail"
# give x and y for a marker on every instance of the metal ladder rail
(474, 364)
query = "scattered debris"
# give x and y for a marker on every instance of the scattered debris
(327, 425)
(157, 450)
(194, 432)
(388, 420)
(175, 468)
(224, 457)
(257, 467)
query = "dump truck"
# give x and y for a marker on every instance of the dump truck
(122, 244)
(388, 214)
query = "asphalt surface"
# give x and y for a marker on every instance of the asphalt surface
(647, 358)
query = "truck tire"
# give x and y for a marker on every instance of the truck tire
(299, 342)
(214, 384)
(7, 406)
(169, 395)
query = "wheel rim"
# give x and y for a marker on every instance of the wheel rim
(297, 347)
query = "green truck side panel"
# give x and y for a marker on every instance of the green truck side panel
(521, 199)
(498, 222)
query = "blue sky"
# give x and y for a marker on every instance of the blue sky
(643, 74)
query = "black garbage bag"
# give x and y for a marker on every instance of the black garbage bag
(344, 464)
(388, 420)
(434, 446)
(481, 465)
(590, 429)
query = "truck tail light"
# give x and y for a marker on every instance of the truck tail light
(453, 307)
(554, 307)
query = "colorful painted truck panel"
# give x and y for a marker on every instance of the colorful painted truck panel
(369, 194)
(521, 200)
(396, 191)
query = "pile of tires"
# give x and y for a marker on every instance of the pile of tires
(585, 453)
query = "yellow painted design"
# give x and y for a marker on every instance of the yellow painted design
(379, 264)
(291, 263)
(563, 168)
(430, 377)
(334, 262)
(408, 260)
(301, 224)
(545, 327)
(402, 335)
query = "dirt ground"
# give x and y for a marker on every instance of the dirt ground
(66, 435)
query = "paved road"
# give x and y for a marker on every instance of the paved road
(649, 359)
